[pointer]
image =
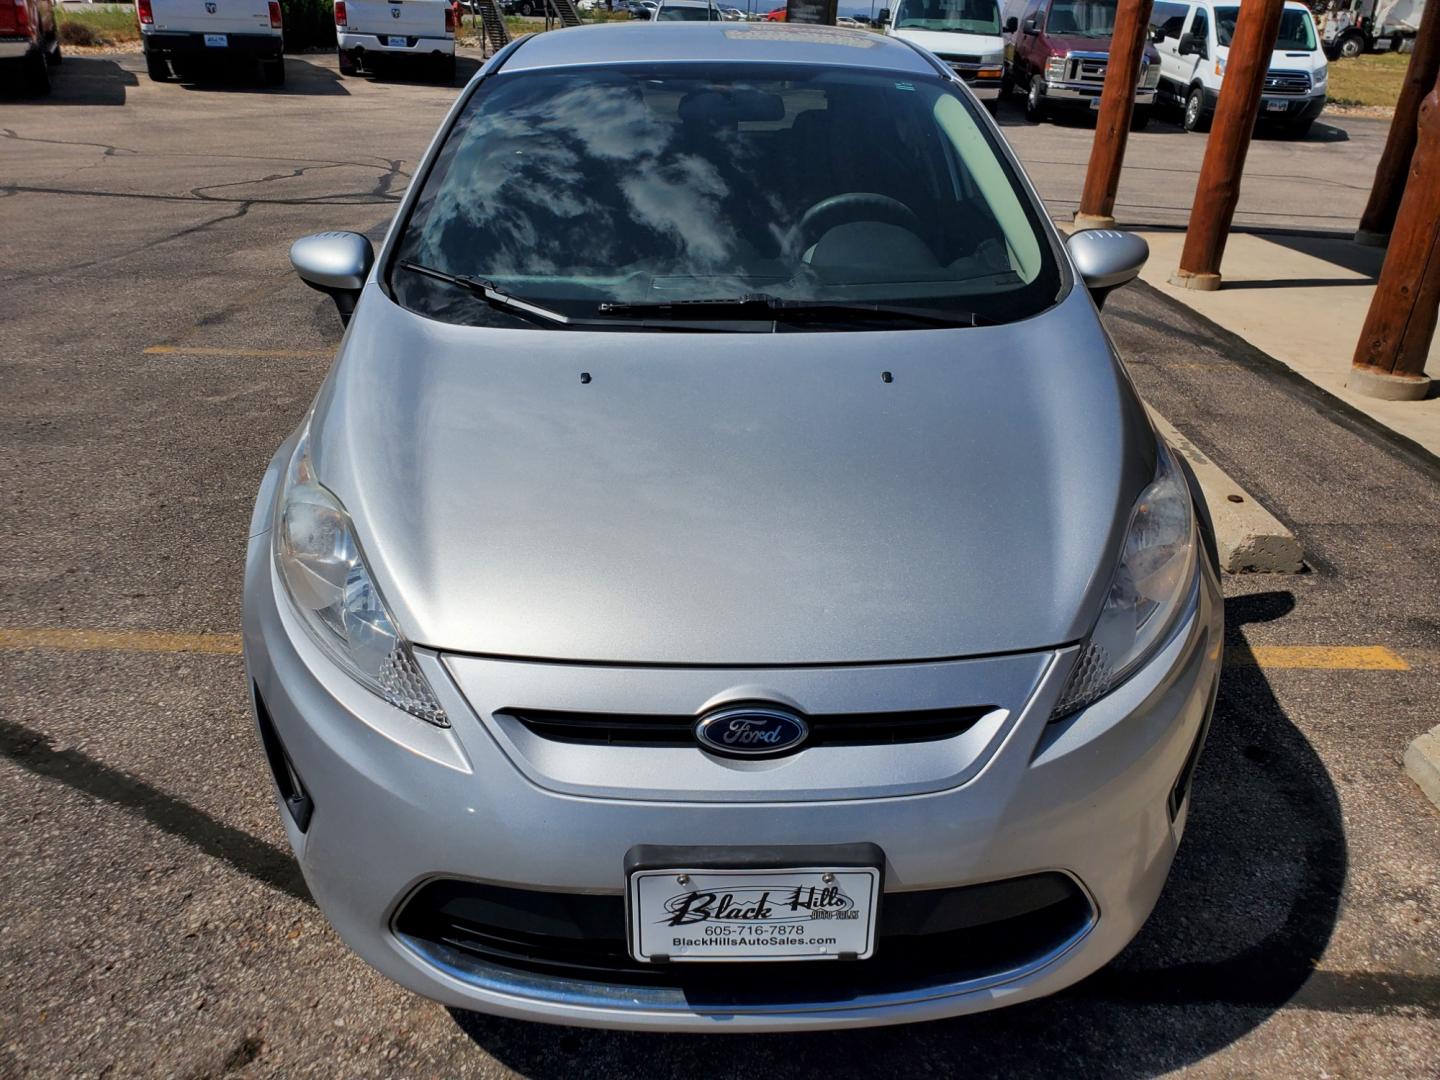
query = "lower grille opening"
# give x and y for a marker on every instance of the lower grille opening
(928, 938)
(847, 729)
(292, 790)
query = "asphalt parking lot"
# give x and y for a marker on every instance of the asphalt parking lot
(157, 348)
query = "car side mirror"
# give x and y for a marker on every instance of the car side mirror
(884, 17)
(1032, 26)
(1106, 259)
(1157, 35)
(1012, 24)
(335, 263)
(1189, 46)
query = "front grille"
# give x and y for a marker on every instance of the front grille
(1287, 82)
(954, 59)
(1086, 68)
(927, 938)
(845, 729)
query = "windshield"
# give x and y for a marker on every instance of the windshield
(676, 13)
(1297, 34)
(954, 16)
(1081, 18)
(580, 189)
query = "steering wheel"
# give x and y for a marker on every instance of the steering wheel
(847, 207)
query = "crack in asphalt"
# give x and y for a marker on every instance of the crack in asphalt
(340, 198)
(110, 151)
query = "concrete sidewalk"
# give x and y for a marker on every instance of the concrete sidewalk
(1302, 299)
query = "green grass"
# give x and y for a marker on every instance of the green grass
(97, 25)
(1373, 79)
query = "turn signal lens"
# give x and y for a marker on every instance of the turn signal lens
(147, 14)
(275, 19)
(340, 13)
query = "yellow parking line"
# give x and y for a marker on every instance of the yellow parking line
(118, 641)
(249, 354)
(1319, 657)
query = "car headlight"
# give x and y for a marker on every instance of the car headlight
(332, 591)
(1055, 69)
(1320, 78)
(1150, 585)
(1150, 79)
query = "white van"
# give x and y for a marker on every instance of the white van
(370, 33)
(1196, 43)
(187, 37)
(964, 34)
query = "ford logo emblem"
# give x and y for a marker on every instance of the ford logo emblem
(751, 731)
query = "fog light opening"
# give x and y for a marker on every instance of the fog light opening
(292, 789)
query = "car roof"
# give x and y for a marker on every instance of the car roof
(721, 42)
(686, 3)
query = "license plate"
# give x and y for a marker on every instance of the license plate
(808, 913)
(217, 41)
(397, 42)
(1276, 105)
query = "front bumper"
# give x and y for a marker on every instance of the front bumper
(1086, 95)
(374, 44)
(398, 803)
(1296, 108)
(170, 45)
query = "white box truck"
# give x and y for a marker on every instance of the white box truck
(1352, 27)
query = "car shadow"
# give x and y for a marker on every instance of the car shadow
(302, 78)
(407, 70)
(1251, 903)
(80, 80)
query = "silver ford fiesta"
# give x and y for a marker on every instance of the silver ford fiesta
(727, 581)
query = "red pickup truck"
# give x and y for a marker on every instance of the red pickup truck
(29, 41)
(1057, 51)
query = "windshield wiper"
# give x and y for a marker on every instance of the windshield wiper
(486, 291)
(764, 306)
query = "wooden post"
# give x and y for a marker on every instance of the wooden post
(1390, 357)
(1390, 173)
(1112, 126)
(1218, 189)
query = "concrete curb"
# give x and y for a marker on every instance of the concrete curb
(1250, 538)
(1422, 762)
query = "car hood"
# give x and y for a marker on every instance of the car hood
(734, 499)
(942, 43)
(1061, 44)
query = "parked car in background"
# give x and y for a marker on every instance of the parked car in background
(965, 34)
(371, 34)
(775, 15)
(1059, 51)
(186, 37)
(523, 7)
(686, 11)
(1351, 27)
(1193, 40)
(641, 9)
(29, 42)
